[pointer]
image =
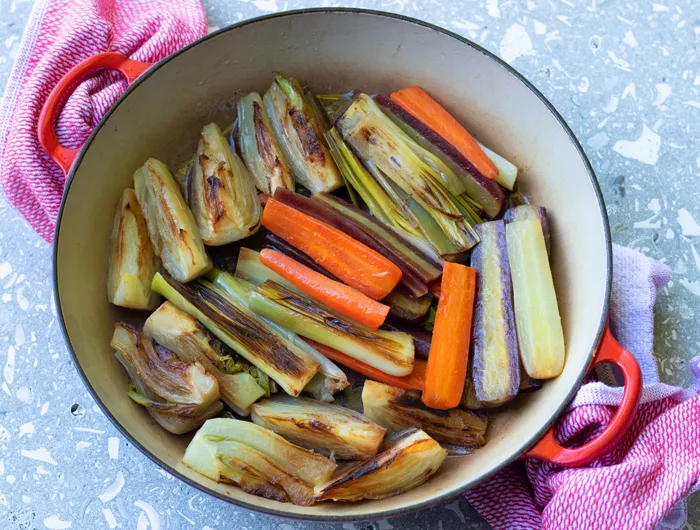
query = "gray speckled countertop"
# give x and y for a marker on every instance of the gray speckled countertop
(626, 77)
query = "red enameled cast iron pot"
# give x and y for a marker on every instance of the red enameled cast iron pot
(161, 115)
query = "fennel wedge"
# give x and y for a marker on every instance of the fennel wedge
(389, 351)
(180, 396)
(396, 409)
(171, 226)
(132, 261)
(221, 192)
(259, 147)
(234, 324)
(389, 153)
(300, 135)
(257, 460)
(407, 460)
(240, 383)
(325, 428)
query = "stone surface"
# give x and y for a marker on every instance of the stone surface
(631, 95)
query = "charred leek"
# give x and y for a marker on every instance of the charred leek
(179, 395)
(408, 459)
(240, 383)
(325, 428)
(329, 379)
(389, 351)
(397, 409)
(257, 460)
(171, 227)
(234, 324)
(221, 191)
(388, 152)
(300, 136)
(259, 147)
(132, 262)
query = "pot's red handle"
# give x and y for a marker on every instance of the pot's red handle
(609, 351)
(59, 95)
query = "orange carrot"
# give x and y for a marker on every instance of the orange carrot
(414, 381)
(449, 349)
(418, 102)
(434, 288)
(338, 296)
(346, 258)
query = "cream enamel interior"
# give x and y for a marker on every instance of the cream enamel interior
(333, 51)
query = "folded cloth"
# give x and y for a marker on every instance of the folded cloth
(643, 481)
(59, 35)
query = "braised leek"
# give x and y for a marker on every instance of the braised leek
(240, 383)
(397, 409)
(300, 136)
(132, 262)
(259, 147)
(233, 323)
(407, 460)
(328, 429)
(171, 226)
(388, 152)
(221, 191)
(389, 351)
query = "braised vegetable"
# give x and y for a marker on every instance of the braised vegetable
(300, 136)
(171, 227)
(449, 350)
(325, 208)
(329, 379)
(251, 269)
(495, 347)
(240, 383)
(407, 460)
(132, 262)
(280, 245)
(419, 258)
(180, 396)
(397, 409)
(419, 103)
(469, 399)
(257, 460)
(234, 324)
(389, 153)
(403, 307)
(351, 261)
(484, 191)
(421, 338)
(413, 381)
(507, 171)
(259, 147)
(527, 383)
(526, 212)
(335, 295)
(221, 192)
(327, 429)
(389, 351)
(540, 334)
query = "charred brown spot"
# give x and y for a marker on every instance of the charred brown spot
(319, 426)
(213, 198)
(313, 152)
(266, 148)
(412, 401)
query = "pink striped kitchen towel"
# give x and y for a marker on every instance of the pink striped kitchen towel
(59, 35)
(643, 481)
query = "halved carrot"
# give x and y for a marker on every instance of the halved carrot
(338, 296)
(346, 258)
(418, 102)
(449, 349)
(414, 381)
